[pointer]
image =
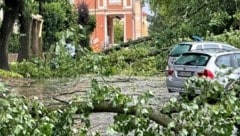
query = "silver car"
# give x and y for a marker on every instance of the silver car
(207, 63)
(183, 47)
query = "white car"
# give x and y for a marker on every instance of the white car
(183, 47)
(208, 63)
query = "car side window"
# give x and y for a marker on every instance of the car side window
(224, 61)
(236, 60)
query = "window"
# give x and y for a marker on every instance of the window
(115, 1)
(224, 61)
(194, 59)
(236, 60)
(180, 49)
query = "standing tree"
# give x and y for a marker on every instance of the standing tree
(118, 31)
(178, 19)
(11, 9)
(87, 22)
(59, 16)
(25, 30)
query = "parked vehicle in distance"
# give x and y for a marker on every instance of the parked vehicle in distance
(183, 47)
(203, 63)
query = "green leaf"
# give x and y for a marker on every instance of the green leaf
(4, 103)
(171, 125)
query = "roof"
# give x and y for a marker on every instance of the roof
(196, 42)
(213, 51)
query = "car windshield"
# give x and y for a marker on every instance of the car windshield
(195, 59)
(180, 49)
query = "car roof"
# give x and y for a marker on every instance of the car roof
(203, 42)
(213, 51)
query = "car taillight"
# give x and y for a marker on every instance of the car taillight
(170, 72)
(206, 73)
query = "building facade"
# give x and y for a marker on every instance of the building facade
(105, 11)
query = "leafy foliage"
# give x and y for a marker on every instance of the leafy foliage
(83, 13)
(230, 37)
(59, 16)
(9, 74)
(87, 22)
(14, 43)
(133, 61)
(20, 116)
(35, 69)
(118, 31)
(214, 111)
(179, 19)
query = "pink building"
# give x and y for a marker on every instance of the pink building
(105, 11)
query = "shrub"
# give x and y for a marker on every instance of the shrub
(9, 74)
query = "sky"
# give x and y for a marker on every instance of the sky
(146, 9)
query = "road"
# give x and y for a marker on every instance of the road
(64, 89)
(132, 86)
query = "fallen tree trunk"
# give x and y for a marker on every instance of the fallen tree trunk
(127, 44)
(159, 118)
(107, 106)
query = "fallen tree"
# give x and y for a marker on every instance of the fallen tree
(214, 111)
(107, 106)
(127, 44)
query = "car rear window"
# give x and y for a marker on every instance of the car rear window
(179, 49)
(195, 59)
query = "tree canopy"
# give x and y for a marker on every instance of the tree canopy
(178, 19)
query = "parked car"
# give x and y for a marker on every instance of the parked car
(207, 63)
(183, 47)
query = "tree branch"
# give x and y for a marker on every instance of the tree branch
(107, 106)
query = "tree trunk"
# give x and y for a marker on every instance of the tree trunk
(35, 49)
(36, 36)
(25, 31)
(25, 39)
(156, 116)
(10, 14)
(40, 24)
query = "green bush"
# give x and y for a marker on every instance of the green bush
(9, 74)
(14, 43)
(214, 112)
(36, 68)
(58, 17)
(132, 61)
(20, 116)
(231, 37)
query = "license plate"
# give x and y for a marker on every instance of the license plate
(184, 73)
